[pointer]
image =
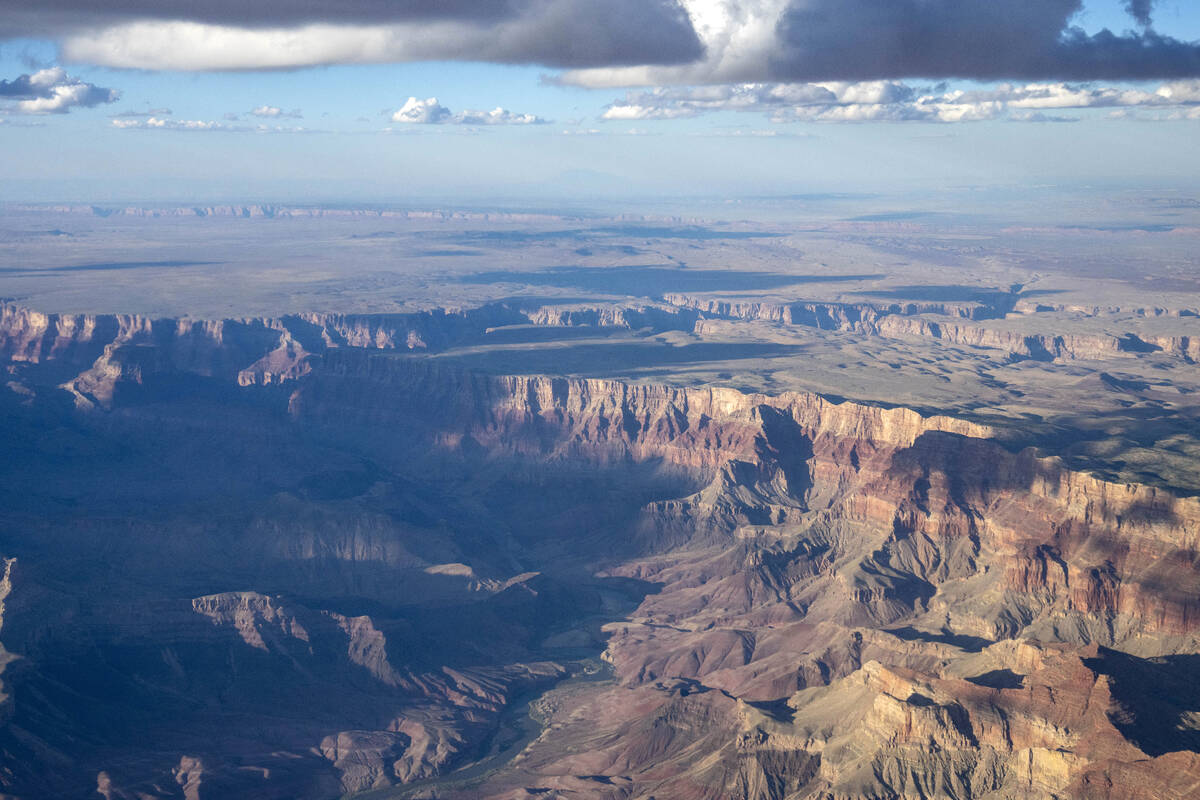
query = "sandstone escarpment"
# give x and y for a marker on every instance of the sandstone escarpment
(657, 317)
(961, 323)
(858, 317)
(97, 353)
(1026, 306)
(271, 211)
(1041, 346)
(635, 418)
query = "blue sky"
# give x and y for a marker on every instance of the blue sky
(670, 144)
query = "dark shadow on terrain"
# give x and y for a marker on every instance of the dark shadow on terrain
(817, 196)
(1131, 343)
(532, 334)
(441, 253)
(1148, 512)
(998, 679)
(115, 265)
(94, 688)
(1157, 696)
(898, 216)
(509, 625)
(603, 360)
(778, 710)
(1151, 228)
(1123, 385)
(946, 294)
(533, 302)
(345, 484)
(695, 232)
(308, 334)
(1026, 293)
(652, 281)
(971, 644)
(790, 447)
(690, 232)
(1137, 425)
(623, 249)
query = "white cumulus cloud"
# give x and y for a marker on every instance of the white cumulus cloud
(53, 91)
(275, 112)
(430, 112)
(897, 101)
(158, 123)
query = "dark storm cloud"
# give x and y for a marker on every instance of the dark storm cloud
(562, 33)
(1140, 11)
(51, 15)
(745, 40)
(979, 39)
(21, 86)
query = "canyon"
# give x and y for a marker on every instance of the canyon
(335, 553)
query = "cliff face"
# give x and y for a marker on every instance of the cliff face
(659, 318)
(111, 349)
(1043, 347)
(798, 597)
(257, 211)
(93, 354)
(957, 323)
(860, 317)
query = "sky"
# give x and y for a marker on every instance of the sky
(462, 101)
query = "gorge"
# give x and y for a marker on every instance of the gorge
(316, 555)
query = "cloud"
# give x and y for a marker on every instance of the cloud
(1178, 115)
(261, 13)
(631, 111)
(53, 91)
(1182, 92)
(150, 112)
(20, 86)
(1140, 11)
(431, 112)
(859, 40)
(752, 133)
(979, 39)
(621, 42)
(422, 112)
(159, 124)
(1038, 116)
(894, 101)
(274, 112)
(845, 102)
(220, 34)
